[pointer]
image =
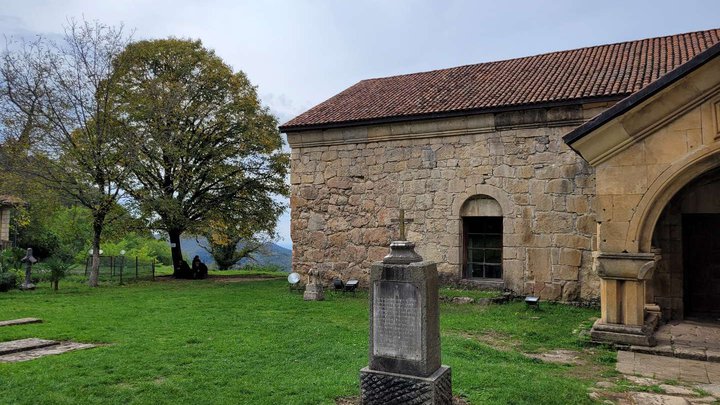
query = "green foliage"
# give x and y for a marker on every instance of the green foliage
(146, 248)
(10, 265)
(8, 280)
(10, 259)
(58, 268)
(207, 149)
(55, 100)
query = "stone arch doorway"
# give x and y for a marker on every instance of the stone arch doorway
(481, 244)
(686, 283)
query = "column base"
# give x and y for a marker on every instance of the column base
(619, 334)
(380, 387)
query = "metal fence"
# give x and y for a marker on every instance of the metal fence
(123, 269)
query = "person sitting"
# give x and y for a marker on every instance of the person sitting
(199, 269)
(182, 270)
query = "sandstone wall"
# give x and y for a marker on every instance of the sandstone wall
(348, 184)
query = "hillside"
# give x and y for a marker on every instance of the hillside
(276, 255)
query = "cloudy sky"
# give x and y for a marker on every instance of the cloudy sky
(300, 53)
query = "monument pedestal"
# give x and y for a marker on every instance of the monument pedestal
(405, 363)
(625, 319)
(380, 387)
(314, 292)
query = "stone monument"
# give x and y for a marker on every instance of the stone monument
(29, 260)
(405, 365)
(314, 288)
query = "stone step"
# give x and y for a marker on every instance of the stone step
(22, 345)
(20, 321)
(57, 348)
(683, 352)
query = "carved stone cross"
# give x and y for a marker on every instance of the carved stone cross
(29, 260)
(402, 220)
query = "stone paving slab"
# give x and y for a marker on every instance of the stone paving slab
(668, 368)
(58, 348)
(15, 346)
(20, 321)
(687, 340)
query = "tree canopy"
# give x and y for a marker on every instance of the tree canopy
(58, 121)
(207, 150)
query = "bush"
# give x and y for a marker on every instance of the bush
(9, 267)
(8, 281)
(57, 269)
(10, 259)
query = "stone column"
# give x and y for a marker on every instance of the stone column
(622, 299)
(405, 365)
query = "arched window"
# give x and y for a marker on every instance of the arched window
(482, 224)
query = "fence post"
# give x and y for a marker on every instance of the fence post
(153, 269)
(112, 267)
(87, 263)
(136, 268)
(122, 268)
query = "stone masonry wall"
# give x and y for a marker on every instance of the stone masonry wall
(348, 185)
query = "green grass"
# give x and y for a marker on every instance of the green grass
(475, 294)
(201, 342)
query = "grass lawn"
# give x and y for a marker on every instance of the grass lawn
(254, 342)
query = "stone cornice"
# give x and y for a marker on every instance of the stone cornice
(445, 127)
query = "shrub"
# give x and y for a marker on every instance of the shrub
(10, 259)
(58, 269)
(8, 281)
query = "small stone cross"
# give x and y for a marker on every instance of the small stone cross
(29, 260)
(402, 220)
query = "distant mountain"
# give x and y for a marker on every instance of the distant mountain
(276, 255)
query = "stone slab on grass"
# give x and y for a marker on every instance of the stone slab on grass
(57, 348)
(15, 346)
(21, 321)
(558, 357)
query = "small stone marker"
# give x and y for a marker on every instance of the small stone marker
(29, 260)
(314, 289)
(405, 365)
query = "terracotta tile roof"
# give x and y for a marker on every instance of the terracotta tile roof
(604, 71)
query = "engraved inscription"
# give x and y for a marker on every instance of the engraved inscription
(396, 320)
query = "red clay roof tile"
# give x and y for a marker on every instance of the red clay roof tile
(604, 71)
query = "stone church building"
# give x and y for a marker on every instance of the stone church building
(570, 175)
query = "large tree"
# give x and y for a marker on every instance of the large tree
(206, 145)
(56, 106)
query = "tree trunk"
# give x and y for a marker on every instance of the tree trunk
(175, 249)
(95, 268)
(55, 284)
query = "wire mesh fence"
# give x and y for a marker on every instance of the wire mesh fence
(123, 269)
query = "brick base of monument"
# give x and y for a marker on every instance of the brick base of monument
(379, 387)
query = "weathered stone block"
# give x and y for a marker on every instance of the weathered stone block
(570, 257)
